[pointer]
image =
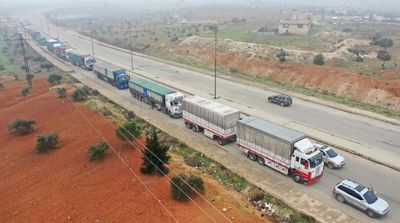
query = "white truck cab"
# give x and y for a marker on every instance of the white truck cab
(307, 162)
(173, 103)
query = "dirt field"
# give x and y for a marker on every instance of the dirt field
(63, 186)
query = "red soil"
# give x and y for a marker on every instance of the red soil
(63, 186)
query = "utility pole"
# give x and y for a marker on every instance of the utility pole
(58, 37)
(215, 62)
(130, 42)
(91, 36)
(28, 75)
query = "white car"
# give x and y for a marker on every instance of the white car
(331, 158)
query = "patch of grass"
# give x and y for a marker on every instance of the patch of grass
(9, 68)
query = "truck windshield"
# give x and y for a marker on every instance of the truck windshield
(370, 197)
(315, 160)
(124, 77)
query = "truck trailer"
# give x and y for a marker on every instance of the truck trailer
(280, 148)
(50, 44)
(114, 75)
(216, 120)
(81, 59)
(159, 97)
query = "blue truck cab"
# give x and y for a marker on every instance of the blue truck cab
(116, 76)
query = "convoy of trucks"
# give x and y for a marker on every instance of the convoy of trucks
(280, 148)
(161, 98)
(81, 59)
(114, 75)
(216, 120)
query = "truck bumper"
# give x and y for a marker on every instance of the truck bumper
(314, 180)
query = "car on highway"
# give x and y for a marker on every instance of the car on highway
(282, 100)
(331, 158)
(347, 191)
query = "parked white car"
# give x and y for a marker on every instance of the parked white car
(331, 158)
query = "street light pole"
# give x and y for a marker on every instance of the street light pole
(91, 36)
(58, 37)
(215, 63)
(130, 43)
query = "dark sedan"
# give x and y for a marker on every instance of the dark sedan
(282, 100)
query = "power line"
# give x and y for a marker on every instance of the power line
(22, 44)
(207, 214)
(123, 161)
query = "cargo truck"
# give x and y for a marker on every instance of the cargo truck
(216, 120)
(159, 97)
(280, 148)
(114, 75)
(50, 44)
(62, 50)
(42, 40)
(81, 59)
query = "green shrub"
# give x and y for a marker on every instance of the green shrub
(384, 55)
(80, 94)
(54, 79)
(128, 131)
(319, 59)
(46, 65)
(25, 91)
(45, 143)
(281, 55)
(2, 67)
(62, 93)
(22, 127)
(184, 187)
(97, 151)
(155, 156)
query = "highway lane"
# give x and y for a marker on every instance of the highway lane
(363, 131)
(383, 179)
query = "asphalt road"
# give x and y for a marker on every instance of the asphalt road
(361, 130)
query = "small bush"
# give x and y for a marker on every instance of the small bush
(319, 59)
(174, 39)
(97, 151)
(39, 59)
(46, 65)
(79, 94)
(281, 55)
(233, 70)
(1, 86)
(54, 79)
(45, 143)
(22, 127)
(25, 91)
(62, 93)
(184, 187)
(384, 55)
(2, 67)
(128, 131)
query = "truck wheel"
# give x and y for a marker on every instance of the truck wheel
(170, 114)
(252, 156)
(188, 125)
(331, 166)
(340, 198)
(261, 161)
(297, 178)
(195, 128)
(269, 100)
(282, 104)
(221, 141)
(370, 213)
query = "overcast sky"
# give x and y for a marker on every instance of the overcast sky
(387, 5)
